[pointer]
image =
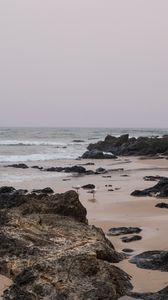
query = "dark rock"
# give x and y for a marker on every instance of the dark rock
(89, 172)
(6, 189)
(159, 190)
(106, 176)
(160, 295)
(152, 260)
(73, 169)
(162, 205)
(123, 145)
(19, 166)
(153, 178)
(37, 167)
(54, 169)
(78, 141)
(50, 252)
(46, 190)
(110, 190)
(127, 250)
(128, 239)
(123, 230)
(96, 154)
(101, 171)
(88, 186)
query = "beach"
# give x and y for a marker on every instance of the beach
(113, 206)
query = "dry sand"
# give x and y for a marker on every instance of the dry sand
(117, 208)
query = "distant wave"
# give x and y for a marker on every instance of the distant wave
(36, 157)
(30, 143)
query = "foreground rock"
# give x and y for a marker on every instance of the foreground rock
(153, 260)
(123, 230)
(50, 252)
(124, 145)
(159, 190)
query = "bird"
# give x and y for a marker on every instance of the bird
(77, 188)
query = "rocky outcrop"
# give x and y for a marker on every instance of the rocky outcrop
(124, 145)
(50, 252)
(160, 190)
(97, 154)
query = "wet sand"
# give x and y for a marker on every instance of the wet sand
(117, 208)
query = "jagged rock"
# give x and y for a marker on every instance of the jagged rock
(159, 190)
(124, 145)
(46, 190)
(19, 166)
(123, 230)
(162, 205)
(128, 239)
(50, 252)
(88, 186)
(152, 260)
(96, 154)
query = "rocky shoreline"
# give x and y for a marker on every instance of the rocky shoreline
(50, 252)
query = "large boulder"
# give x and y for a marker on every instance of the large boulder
(50, 252)
(124, 145)
(97, 154)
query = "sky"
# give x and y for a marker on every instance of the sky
(87, 63)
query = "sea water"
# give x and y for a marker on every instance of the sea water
(38, 146)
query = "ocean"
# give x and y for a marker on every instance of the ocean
(52, 147)
(44, 144)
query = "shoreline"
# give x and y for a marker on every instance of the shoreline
(117, 208)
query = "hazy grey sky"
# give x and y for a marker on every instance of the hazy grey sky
(84, 63)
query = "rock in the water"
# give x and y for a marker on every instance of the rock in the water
(19, 166)
(88, 186)
(50, 252)
(152, 260)
(96, 154)
(162, 205)
(159, 190)
(123, 230)
(128, 239)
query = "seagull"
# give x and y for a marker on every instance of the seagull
(93, 192)
(77, 188)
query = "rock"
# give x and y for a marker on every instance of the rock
(123, 230)
(162, 205)
(46, 190)
(19, 166)
(128, 239)
(110, 190)
(37, 167)
(50, 252)
(100, 171)
(152, 260)
(73, 169)
(88, 186)
(153, 178)
(78, 141)
(160, 295)
(159, 190)
(123, 145)
(127, 250)
(96, 154)
(6, 189)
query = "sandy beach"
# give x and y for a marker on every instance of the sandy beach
(117, 208)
